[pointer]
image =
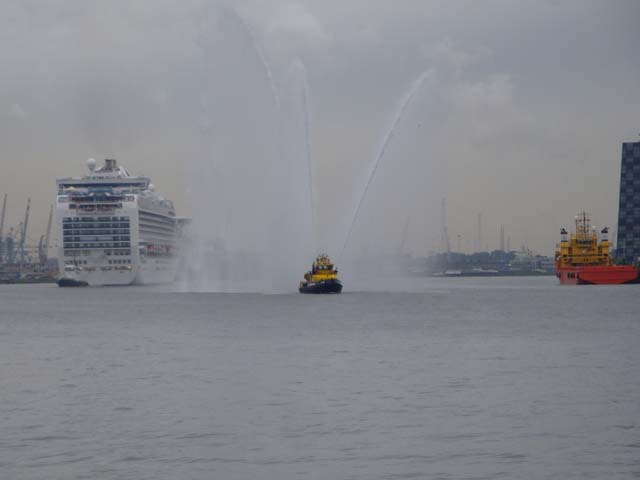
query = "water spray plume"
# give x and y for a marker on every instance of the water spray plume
(263, 244)
(263, 59)
(390, 133)
(300, 73)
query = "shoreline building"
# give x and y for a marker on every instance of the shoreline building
(628, 245)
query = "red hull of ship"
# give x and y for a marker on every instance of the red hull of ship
(597, 275)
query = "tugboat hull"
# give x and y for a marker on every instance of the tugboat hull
(323, 286)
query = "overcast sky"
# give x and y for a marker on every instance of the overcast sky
(522, 116)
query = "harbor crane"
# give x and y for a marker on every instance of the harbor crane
(10, 242)
(43, 245)
(23, 232)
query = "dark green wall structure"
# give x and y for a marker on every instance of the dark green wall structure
(628, 247)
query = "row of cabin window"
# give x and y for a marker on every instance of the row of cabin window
(92, 226)
(96, 237)
(94, 219)
(97, 245)
(107, 252)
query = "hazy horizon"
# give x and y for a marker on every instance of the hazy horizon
(522, 116)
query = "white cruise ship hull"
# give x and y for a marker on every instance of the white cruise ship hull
(152, 272)
(102, 279)
(114, 229)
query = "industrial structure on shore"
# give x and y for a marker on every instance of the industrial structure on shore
(628, 246)
(20, 260)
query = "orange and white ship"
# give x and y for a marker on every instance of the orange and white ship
(582, 260)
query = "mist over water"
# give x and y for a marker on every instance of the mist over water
(252, 194)
(252, 191)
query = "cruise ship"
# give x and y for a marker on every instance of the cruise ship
(114, 229)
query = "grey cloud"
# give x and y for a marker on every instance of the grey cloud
(531, 102)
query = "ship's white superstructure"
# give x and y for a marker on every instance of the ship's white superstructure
(114, 229)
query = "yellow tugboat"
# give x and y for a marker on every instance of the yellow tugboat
(322, 278)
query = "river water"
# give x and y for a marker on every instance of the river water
(441, 379)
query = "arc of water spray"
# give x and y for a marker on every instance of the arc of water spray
(231, 12)
(232, 16)
(259, 52)
(400, 112)
(306, 108)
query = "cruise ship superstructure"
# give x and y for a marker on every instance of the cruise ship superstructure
(114, 229)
